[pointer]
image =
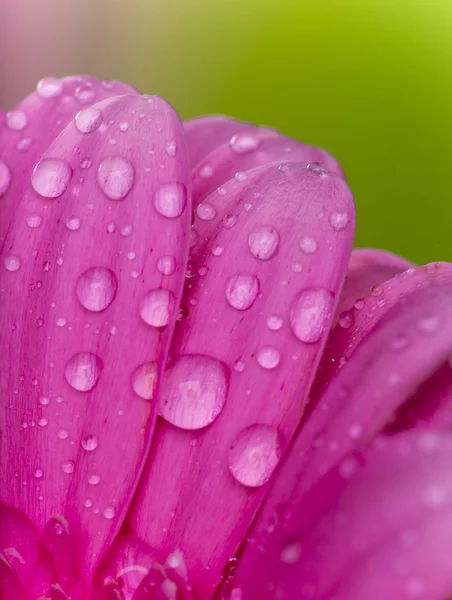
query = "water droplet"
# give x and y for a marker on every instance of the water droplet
(428, 325)
(242, 290)
(85, 94)
(44, 401)
(310, 313)
(170, 199)
(124, 126)
(111, 228)
(166, 265)
(144, 380)
(291, 554)
(63, 434)
(88, 120)
(38, 473)
(171, 148)
(51, 177)
(61, 322)
(34, 221)
(240, 176)
(49, 87)
(339, 221)
(96, 288)
(308, 245)
(89, 443)
(206, 171)
(73, 223)
(317, 168)
(346, 319)
(239, 366)
(263, 242)
(83, 370)
(194, 391)
(68, 467)
(86, 163)
(16, 120)
(24, 144)
(244, 143)
(115, 177)
(156, 307)
(88, 503)
(230, 221)
(205, 211)
(268, 357)
(94, 479)
(254, 455)
(5, 178)
(127, 230)
(12, 263)
(274, 323)
(109, 512)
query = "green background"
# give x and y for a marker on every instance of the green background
(370, 81)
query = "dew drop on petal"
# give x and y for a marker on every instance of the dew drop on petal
(242, 290)
(144, 380)
(84, 94)
(156, 307)
(12, 263)
(16, 120)
(254, 455)
(428, 325)
(170, 199)
(310, 313)
(166, 265)
(268, 357)
(109, 512)
(274, 323)
(34, 221)
(83, 370)
(205, 211)
(88, 120)
(96, 288)
(94, 479)
(49, 87)
(116, 177)
(171, 148)
(5, 178)
(51, 177)
(89, 443)
(68, 467)
(339, 221)
(73, 223)
(308, 245)
(263, 242)
(127, 230)
(290, 555)
(63, 434)
(194, 391)
(244, 143)
(38, 473)
(317, 168)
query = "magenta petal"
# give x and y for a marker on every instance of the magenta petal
(377, 527)
(85, 337)
(18, 542)
(33, 125)
(259, 302)
(10, 585)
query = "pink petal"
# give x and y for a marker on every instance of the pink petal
(256, 313)
(80, 362)
(401, 352)
(33, 125)
(10, 585)
(378, 526)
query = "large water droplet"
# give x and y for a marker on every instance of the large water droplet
(310, 313)
(268, 357)
(115, 177)
(170, 199)
(50, 177)
(244, 143)
(16, 120)
(156, 307)
(83, 370)
(144, 380)
(12, 263)
(88, 120)
(194, 391)
(96, 288)
(242, 290)
(5, 178)
(263, 242)
(254, 455)
(49, 87)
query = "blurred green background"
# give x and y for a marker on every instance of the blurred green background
(369, 80)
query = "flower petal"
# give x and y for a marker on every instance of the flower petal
(260, 299)
(33, 125)
(378, 526)
(85, 335)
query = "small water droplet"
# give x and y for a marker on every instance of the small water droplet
(49, 87)
(89, 443)
(88, 503)
(206, 212)
(88, 120)
(339, 221)
(317, 168)
(170, 199)
(83, 370)
(68, 467)
(127, 230)
(218, 250)
(310, 313)
(206, 171)
(115, 177)
(156, 307)
(44, 400)
(16, 120)
(109, 512)
(254, 455)
(263, 242)
(51, 177)
(194, 391)
(166, 265)
(428, 325)
(61, 322)
(63, 434)
(38, 473)
(290, 555)
(346, 319)
(124, 126)
(12, 263)
(274, 323)
(111, 228)
(94, 479)
(24, 144)
(34, 221)
(244, 143)
(73, 223)
(268, 357)
(171, 148)
(86, 163)
(242, 290)
(308, 245)
(96, 288)
(144, 380)
(239, 366)
(230, 221)
(5, 178)
(84, 94)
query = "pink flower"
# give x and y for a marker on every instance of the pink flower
(194, 405)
